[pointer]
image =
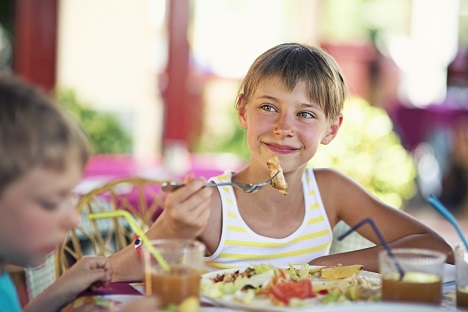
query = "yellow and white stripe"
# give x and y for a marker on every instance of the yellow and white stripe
(240, 246)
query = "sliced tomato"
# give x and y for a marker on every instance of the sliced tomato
(285, 291)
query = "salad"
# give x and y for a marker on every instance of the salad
(294, 286)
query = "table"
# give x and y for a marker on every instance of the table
(125, 288)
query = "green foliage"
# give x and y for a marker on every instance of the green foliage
(104, 130)
(230, 141)
(368, 150)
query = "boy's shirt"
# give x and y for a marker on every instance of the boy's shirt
(9, 301)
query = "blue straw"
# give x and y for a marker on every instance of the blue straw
(381, 238)
(447, 215)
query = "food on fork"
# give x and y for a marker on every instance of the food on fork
(279, 182)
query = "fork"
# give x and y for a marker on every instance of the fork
(170, 186)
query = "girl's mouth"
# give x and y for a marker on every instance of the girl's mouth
(281, 149)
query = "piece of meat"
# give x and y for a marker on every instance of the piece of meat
(279, 182)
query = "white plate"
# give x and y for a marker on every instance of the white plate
(100, 302)
(266, 305)
(375, 306)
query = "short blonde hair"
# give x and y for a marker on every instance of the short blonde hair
(35, 132)
(293, 62)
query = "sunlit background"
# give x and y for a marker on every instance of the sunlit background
(402, 59)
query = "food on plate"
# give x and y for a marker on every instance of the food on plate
(293, 286)
(92, 304)
(278, 182)
(338, 271)
(190, 304)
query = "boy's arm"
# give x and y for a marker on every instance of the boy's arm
(88, 272)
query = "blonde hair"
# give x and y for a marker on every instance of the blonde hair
(293, 62)
(35, 132)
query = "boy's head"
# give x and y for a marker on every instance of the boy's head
(293, 62)
(34, 132)
(43, 152)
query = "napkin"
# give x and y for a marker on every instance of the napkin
(449, 273)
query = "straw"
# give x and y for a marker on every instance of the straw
(447, 215)
(381, 238)
(136, 228)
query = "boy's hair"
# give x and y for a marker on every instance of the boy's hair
(293, 62)
(35, 132)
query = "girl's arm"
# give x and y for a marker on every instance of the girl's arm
(185, 215)
(345, 200)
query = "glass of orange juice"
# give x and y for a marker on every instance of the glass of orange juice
(182, 280)
(412, 275)
(461, 263)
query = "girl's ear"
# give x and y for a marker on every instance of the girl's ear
(241, 113)
(332, 130)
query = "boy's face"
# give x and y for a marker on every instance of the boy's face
(286, 123)
(36, 211)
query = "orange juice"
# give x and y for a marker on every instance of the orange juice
(415, 287)
(174, 286)
(462, 297)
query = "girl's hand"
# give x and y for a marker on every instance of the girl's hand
(186, 210)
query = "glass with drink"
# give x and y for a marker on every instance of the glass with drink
(182, 280)
(461, 263)
(412, 275)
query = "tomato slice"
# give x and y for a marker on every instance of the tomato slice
(285, 291)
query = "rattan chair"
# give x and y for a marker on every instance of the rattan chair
(141, 197)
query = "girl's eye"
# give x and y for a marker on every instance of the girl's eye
(268, 108)
(305, 115)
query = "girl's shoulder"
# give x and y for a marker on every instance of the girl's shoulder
(330, 175)
(326, 172)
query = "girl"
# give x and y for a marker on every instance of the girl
(289, 103)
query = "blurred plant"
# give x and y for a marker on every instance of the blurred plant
(230, 140)
(368, 150)
(104, 130)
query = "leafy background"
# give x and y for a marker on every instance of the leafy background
(104, 129)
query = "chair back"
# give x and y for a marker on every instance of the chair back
(141, 197)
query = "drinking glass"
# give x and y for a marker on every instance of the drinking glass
(461, 264)
(182, 280)
(412, 275)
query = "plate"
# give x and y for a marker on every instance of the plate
(99, 303)
(376, 306)
(259, 304)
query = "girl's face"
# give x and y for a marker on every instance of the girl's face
(36, 212)
(285, 123)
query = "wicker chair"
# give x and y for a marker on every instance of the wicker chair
(141, 197)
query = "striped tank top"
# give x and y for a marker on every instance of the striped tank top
(240, 246)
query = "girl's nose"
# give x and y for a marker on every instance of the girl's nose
(283, 126)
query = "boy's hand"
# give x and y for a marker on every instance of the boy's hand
(93, 272)
(186, 210)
